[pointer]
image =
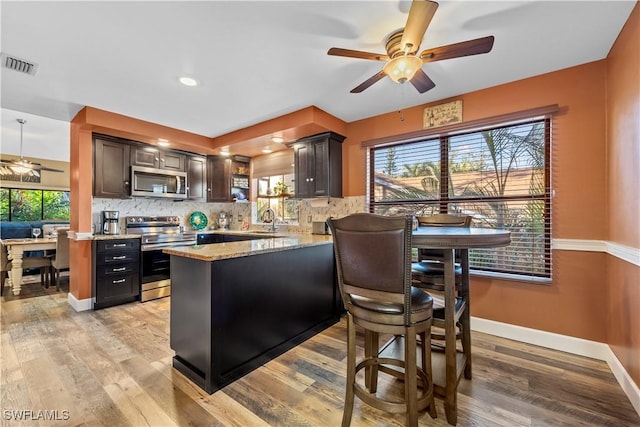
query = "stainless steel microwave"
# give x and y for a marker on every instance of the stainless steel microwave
(162, 183)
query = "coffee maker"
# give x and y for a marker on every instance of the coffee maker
(110, 224)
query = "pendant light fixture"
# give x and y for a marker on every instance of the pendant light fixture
(23, 166)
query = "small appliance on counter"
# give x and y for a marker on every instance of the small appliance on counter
(319, 227)
(223, 221)
(110, 222)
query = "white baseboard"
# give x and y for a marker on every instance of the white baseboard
(579, 346)
(79, 304)
(626, 382)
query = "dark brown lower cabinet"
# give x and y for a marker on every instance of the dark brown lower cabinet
(116, 272)
(230, 316)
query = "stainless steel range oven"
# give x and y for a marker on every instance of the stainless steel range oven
(158, 232)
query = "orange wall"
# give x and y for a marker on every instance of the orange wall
(572, 304)
(623, 203)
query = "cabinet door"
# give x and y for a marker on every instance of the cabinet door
(301, 170)
(218, 179)
(111, 169)
(196, 178)
(318, 164)
(145, 156)
(173, 161)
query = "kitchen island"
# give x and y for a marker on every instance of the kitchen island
(237, 305)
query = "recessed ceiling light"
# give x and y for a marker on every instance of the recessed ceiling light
(277, 139)
(224, 151)
(267, 150)
(188, 81)
(163, 142)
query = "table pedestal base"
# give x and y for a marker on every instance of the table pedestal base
(448, 390)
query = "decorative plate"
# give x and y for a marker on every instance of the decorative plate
(198, 220)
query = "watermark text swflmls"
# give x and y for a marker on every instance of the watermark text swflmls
(36, 415)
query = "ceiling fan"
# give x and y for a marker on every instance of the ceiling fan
(24, 166)
(403, 62)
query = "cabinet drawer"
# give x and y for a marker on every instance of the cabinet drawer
(117, 286)
(117, 269)
(118, 245)
(117, 257)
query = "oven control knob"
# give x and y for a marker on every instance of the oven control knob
(139, 219)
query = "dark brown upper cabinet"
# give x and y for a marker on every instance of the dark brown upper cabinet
(218, 179)
(152, 157)
(227, 179)
(111, 168)
(318, 165)
(197, 178)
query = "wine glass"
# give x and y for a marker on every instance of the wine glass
(35, 232)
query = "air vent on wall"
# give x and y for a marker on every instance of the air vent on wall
(19, 65)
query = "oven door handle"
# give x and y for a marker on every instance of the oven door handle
(156, 246)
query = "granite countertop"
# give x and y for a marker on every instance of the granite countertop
(115, 236)
(263, 232)
(220, 251)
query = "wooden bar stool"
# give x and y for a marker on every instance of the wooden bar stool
(373, 258)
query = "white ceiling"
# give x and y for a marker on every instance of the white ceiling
(258, 60)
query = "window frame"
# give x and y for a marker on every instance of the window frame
(42, 202)
(445, 200)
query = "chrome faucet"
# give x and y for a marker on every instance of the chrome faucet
(269, 214)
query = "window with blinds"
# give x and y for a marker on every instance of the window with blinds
(499, 175)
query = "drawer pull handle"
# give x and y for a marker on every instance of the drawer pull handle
(119, 245)
(119, 257)
(119, 269)
(119, 281)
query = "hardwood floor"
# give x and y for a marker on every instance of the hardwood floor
(112, 367)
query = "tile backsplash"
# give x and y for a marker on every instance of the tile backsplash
(309, 210)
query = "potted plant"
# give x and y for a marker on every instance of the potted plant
(281, 189)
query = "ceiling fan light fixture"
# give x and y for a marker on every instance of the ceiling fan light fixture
(21, 167)
(402, 68)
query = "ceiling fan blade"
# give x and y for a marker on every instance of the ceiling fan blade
(336, 51)
(420, 16)
(44, 168)
(422, 82)
(457, 50)
(30, 165)
(369, 82)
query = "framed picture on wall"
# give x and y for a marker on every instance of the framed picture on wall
(444, 114)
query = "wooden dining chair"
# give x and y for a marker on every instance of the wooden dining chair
(428, 274)
(60, 260)
(373, 260)
(41, 262)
